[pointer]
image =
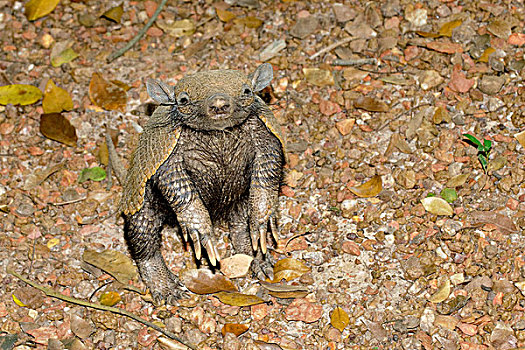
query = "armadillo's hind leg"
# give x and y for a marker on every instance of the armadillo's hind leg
(142, 232)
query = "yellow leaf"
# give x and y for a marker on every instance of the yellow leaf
(441, 294)
(18, 302)
(114, 14)
(486, 54)
(39, 8)
(56, 99)
(110, 298)
(339, 319)
(250, 22)
(371, 188)
(235, 328)
(238, 299)
(447, 28)
(19, 94)
(288, 269)
(521, 138)
(437, 206)
(224, 15)
(427, 34)
(65, 56)
(52, 242)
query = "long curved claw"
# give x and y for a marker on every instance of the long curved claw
(194, 234)
(255, 239)
(210, 248)
(273, 228)
(262, 237)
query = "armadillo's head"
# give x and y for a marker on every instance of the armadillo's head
(217, 99)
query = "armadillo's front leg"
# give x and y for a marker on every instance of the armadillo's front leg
(264, 191)
(177, 188)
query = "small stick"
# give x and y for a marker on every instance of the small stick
(51, 293)
(331, 47)
(139, 35)
(354, 62)
(70, 202)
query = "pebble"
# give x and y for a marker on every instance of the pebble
(491, 84)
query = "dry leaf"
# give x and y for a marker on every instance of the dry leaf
(36, 9)
(114, 263)
(114, 14)
(19, 94)
(238, 299)
(371, 188)
(318, 77)
(339, 319)
(447, 28)
(427, 34)
(110, 298)
(177, 28)
(203, 281)
(59, 57)
(56, 99)
(235, 328)
(106, 95)
(441, 294)
(236, 265)
(249, 21)
(288, 269)
(486, 54)
(457, 180)
(503, 222)
(35, 178)
(371, 104)
(56, 127)
(285, 291)
(437, 206)
(224, 15)
(521, 138)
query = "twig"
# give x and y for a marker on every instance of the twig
(354, 62)
(51, 293)
(139, 35)
(331, 47)
(70, 202)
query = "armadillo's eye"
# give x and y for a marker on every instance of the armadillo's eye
(183, 99)
(247, 91)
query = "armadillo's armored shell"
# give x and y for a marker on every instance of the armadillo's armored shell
(155, 145)
(268, 118)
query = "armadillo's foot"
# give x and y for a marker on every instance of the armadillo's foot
(163, 285)
(262, 266)
(263, 204)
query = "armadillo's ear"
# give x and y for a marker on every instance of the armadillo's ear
(160, 92)
(262, 77)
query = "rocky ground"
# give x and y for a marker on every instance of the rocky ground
(428, 253)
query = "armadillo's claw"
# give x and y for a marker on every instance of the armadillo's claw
(212, 252)
(255, 240)
(262, 237)
(273, 228)
(194, 234)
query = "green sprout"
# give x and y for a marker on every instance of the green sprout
(483, 149)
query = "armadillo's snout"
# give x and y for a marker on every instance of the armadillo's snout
(219, 105)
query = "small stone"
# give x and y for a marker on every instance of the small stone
(343, 13)
(500, 28)
(345, 126)
(304, 27)
(328, 107)
(351, 248)
(318, 77)
(87, 20)
(416, 17)
(80, 327)
(491, 84)
(272, 50)
(429, 79)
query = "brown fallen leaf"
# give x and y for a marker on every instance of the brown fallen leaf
(399, 143)
(37, 177)
(288, 269)
(36, 9)
(176, 28)
(339, 319)
(203, 281)
(106, 94)
(521, 138)
(284, 291)
(457, 180)
(114, 14)
(445, 47)
(441, 294)
(370, 104)
(238, 299)
(114, 263)
(371, 188)
(447, 28)
(486, 54)
(236, 265)
(249, 21)
(503, 222)
(224, 15)
(235, 328)
(56, 127)
(56, 99)
(318, 77)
